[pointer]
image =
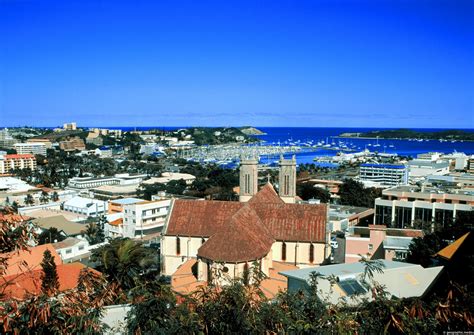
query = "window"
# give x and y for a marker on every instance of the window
(81, 247)
(311, 253)
(283, 251)
(371, 246)
(383, 215)
(448, 201)
(178, 246)
(225, 269)
(352, 286)
(68, 251)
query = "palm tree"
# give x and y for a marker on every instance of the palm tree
(44, 198)
(29, 200)
(123, 261)
(55, 196)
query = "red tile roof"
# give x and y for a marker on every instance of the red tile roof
(16, 156)
(237, 225)
(266, 194)
(29, 283)
(244, 238)
(200, 218)
(30, 259)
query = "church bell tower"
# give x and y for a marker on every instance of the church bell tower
(287, 180)
(248, 178)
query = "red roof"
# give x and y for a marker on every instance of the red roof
(266, 194)
(16, 156)
(29, 283)
(244, 238)
(28, 260)
(235, 227)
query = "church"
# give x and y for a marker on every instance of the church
(223, 240)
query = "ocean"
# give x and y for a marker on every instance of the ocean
(284, 135)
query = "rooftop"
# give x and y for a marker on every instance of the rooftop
(383, 166)
(126, 201)
(400, 279)
(60, 223)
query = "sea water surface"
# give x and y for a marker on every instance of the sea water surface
(286, 135)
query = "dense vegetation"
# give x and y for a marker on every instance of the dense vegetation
(409, 133)
(353, 193)
(130, 275)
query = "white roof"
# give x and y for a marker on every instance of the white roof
(81, 202)
(11, 184)
(400, 279)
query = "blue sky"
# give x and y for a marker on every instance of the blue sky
(219, 63)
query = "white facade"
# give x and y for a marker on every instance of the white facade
(72, 249)
(91, 182)
(420, 168)
(384, 174)
(30, 148)
(86, 206)
(144, 218)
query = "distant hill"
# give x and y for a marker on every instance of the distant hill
(459, 135)
(251, 131)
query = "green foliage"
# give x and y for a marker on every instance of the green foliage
(307, 191)
(50, 236)
(353, 193)
(422, 249)
(124, 261)
(49, 278)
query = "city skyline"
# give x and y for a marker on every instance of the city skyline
(321, 64)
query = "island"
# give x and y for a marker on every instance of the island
(252, 131)
(442, 135)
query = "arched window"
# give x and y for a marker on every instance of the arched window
(283, 251)
(246, 274)
(311, 253)
(178, 246)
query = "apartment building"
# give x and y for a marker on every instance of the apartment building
(12, 162)
(401, 206)
(384, 174)
(30, 148)
(144, 218)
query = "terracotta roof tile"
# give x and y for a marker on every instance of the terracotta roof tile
(244, 238)
(30, 259)
(29, 283)
(267, 194)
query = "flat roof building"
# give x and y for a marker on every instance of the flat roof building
(30, 148)
(384, 174)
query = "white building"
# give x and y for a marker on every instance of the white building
(420, 168)
(401, 206)
(141, 219)
(34, 148)
(16, 161)
(72, 249)
(85, 206)
(81, 183)
(384, 174)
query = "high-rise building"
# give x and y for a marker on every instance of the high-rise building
(30, 148)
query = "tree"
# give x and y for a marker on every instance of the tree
(422, 249)
(94, 233)
(307, 191)
(44, 198)
(55, 196)
(50, 235)
(100, 235)
(29, 200)
(123, 261)
(49, 278)
(176, 187)
(353, 193)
